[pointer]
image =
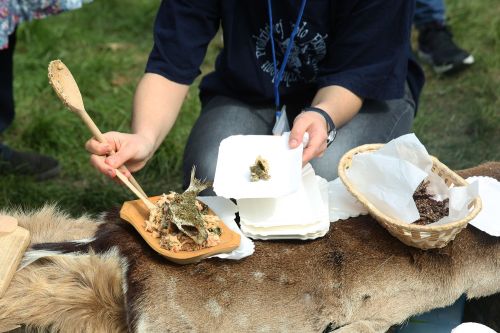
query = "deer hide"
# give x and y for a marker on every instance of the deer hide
(84, 275)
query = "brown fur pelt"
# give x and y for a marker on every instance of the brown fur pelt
(357, 278)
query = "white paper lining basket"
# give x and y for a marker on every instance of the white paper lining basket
(420, 236)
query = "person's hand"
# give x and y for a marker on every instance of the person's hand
(314, 124)
(132, 150)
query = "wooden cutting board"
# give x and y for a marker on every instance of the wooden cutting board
(12, 247)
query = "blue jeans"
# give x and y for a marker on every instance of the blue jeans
(6, 84)
(427, 11)
(377, 122)
(441, 320)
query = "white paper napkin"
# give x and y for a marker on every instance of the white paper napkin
(226, 210)
(409, 148)
(472, 328)
(488, 219)
(237, 153)
(343, 204)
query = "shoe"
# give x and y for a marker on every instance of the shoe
(436, 47)
(26, 163)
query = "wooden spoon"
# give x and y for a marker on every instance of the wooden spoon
(67, 90)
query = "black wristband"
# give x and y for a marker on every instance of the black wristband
(325, 115)
(331, 129)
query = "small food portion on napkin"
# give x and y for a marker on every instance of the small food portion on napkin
(238, 152)
(259, 170)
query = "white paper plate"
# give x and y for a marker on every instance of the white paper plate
(302, 207)
(291, 236)
(300, 230)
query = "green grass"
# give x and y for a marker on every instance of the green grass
(106, 44)
(459, 119)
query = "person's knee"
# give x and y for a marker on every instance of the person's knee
(328, 172)
(403, 125)
(325, 167)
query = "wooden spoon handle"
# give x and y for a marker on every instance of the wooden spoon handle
(100, 137)
(125, 181)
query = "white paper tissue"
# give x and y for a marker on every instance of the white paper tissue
(488, 219)
(343, 204)
(389, 176)
(226, 210)
(388, 183)
(470, 327)
(459, 199)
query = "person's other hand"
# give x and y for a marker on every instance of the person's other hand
(314, 124)
(132, 150)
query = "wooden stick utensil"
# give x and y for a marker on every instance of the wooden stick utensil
(125, 181)
(68, 92)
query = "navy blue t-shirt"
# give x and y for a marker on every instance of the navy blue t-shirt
(362, 45)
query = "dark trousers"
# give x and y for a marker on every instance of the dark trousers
(6, 84)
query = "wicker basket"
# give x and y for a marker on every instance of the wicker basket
(420, 236)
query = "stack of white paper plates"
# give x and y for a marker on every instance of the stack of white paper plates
(303, 214)
(292, 204)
